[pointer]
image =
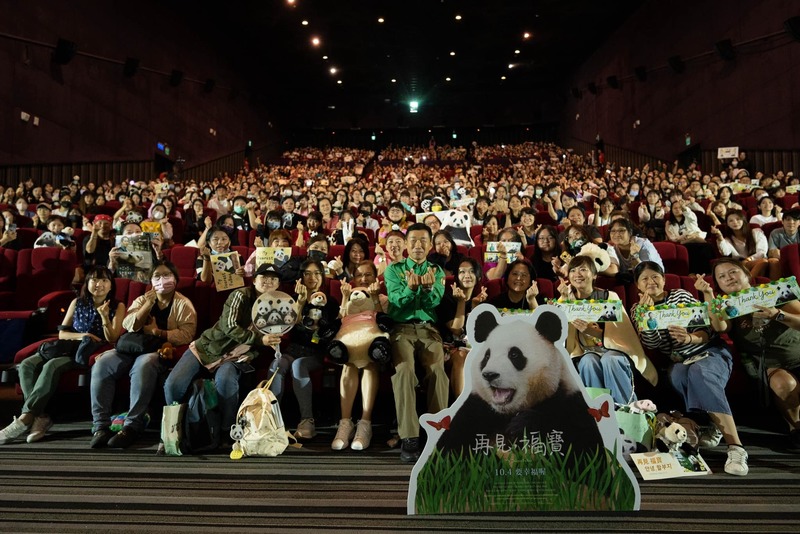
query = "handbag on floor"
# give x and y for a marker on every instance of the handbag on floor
(195, 426)
(259, 428)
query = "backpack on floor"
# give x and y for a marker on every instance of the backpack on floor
(259, 428)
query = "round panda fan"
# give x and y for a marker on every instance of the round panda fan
(274, 313)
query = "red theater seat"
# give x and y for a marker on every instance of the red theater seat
(674, 256)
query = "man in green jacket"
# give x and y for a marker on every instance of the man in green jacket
(415, 288)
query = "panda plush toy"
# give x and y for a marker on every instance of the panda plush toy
(673, 437)
(363, 336)
(521, 384)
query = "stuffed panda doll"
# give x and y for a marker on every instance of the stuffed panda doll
(521, 385)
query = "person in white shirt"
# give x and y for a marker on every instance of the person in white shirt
(768, 212)
(747, 244)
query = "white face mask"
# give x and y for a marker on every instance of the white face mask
(157, 215)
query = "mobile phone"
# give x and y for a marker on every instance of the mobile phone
(12, 227)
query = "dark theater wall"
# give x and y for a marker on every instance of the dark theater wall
(752, 102)
(89, 111)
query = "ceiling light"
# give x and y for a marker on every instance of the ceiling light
(502, 77)
(333, 70)
(458, 17)
(339, 82)
(394, 80)
(324, 57)
(304, 23)
(447, 79)
(381, 20)
(413, 106)
(510, 65)
(526, 35)
(452, 53)
(516, 51)
(290, 2)
(315, 41)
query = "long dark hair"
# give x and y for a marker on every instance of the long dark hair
(749, 239)
(349, 246)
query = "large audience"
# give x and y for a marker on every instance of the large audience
(671, 235)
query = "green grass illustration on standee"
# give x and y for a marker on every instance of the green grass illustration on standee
(519, 481)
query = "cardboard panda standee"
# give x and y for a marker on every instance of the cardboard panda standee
(523, 435)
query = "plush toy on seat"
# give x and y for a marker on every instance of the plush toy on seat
(363, 336)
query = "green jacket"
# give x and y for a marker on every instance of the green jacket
(233, 328)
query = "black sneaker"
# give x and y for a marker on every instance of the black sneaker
(409, 450)
(123, 439)
(100, 438)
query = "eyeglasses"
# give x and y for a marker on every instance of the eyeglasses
(617, 231)
(545, 238)
(312, 273)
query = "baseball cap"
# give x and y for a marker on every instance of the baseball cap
(267, 269)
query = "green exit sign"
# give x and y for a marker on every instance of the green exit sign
(688, 140)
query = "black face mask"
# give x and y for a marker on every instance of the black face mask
(317, 255)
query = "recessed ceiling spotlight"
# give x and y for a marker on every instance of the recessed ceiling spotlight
(339, 82)
(447, 79)
(516, 51)
(381, 20)
(458, 17)
(452, 53)
(510, 65)
(333, 70)
(502, 77)
(290, 2)
(394, 80)
(526, 35)
(324, 57)
(304, 23)
(315, 41)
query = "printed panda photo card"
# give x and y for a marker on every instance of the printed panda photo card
(274, 255)
(523, 435)
(768, 295)
(592, 311)
(662, 316)
(224, 267)
(491, 255)
(458, 223)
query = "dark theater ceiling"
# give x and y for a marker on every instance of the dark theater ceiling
(386, 54)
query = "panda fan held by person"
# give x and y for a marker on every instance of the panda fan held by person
(605, 352)
(214, 350)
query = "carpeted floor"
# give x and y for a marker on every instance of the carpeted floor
(60, 485)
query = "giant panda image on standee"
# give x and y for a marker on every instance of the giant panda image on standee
(521, 383)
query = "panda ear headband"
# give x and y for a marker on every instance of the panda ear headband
(548, 325)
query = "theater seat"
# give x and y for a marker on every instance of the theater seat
(674, 256)
(41, 271)
(790, 260)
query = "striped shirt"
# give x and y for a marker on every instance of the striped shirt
(663, 342)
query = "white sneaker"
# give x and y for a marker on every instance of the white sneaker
(306, 429)
(710, 438)
(13, 431)
(343, 436)
(737, 461)
(39, 428)
(363, 435)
